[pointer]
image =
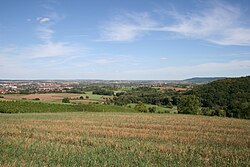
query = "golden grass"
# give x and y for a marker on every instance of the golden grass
(210, 139)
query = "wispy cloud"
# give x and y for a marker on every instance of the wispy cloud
(52, 49)
(127, 27)
(230, 68)
(43, 19)
(47, 47)
(218, 23)
(221, 24)
(164, 58)
(45, 28)
(111, 59)
(45, 31)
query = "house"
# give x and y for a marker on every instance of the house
(2, 91)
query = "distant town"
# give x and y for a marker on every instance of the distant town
(71, 86)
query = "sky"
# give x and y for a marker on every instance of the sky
(124, 40)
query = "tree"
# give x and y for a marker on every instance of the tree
(65, 100)
(189, 104)
(141, 107)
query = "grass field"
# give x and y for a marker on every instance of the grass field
(122, 139)
(159, 109)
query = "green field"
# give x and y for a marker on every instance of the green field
(122, 139)
(159, 109)
(21, 106)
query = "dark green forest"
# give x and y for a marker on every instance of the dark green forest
(229, 97)
(147, 95)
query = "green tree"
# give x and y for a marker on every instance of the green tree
(141, 107)
(189, 104)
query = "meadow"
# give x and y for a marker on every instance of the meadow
(122, 139)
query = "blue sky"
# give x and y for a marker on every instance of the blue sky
(115, 39)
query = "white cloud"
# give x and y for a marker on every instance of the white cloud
(43, 19)
(45, 29)
(232, 68)
(53, 49)
(220, 23)
(50, 49)
(109, 59)
(45, 33)
(127, 27)
(52, 58)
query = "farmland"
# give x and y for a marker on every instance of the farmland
(57, 97)
(122, 139)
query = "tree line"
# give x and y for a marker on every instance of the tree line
(147, 95)
(228, 97)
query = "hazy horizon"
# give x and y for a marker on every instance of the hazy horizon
(124, 40)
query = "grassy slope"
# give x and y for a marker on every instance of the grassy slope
(122, 139)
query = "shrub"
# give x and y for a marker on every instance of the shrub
(66, 100)
(152, 109)
(141, 107)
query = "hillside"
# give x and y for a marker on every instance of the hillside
(231, 95)
(202, 80)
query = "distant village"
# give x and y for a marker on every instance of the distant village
(7, 87)
(64, 86)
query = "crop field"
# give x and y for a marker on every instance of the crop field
(122, 139)
(57, 97)
(48, 97)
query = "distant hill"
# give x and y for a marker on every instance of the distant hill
(231, 95)
(202, 80)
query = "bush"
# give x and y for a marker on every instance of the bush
(152, 109)
(66, 100)
(141, 107)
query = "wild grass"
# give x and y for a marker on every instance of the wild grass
(122, 139)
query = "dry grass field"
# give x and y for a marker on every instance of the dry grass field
(122, 139)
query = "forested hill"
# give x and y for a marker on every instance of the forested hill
(231, 95)
(202, 80)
